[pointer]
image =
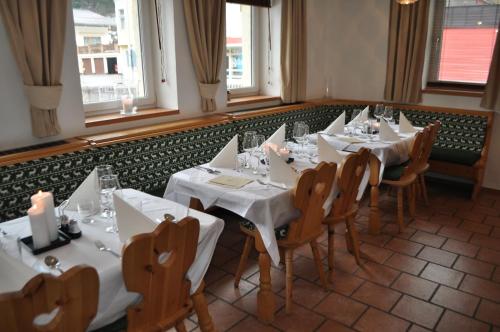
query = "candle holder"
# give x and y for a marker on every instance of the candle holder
(128, 107)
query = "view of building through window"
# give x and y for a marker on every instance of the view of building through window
(464, 39)
(109, 49)
(239, 46)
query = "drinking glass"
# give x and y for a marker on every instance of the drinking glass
(388, 114)
(108, 185)
(248, 146)
(102, 170)
(258, 141)
(299, 133)
(379, 111)
(86, 210)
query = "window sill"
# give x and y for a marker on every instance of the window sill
(453, 92)
(237, 101)
(113, 118)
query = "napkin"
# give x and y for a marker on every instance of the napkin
(337, 126)
(87, 191)
(386, 133)
(278, 137)
(405, 126)
(230, 181)
(327, 152)
(280, 171)
(129, 220)
(226, 158)
(363, 116)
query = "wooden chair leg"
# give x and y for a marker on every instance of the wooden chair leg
(411, 200)
(421, 178)
(319, 265)
(243, 260)
(180, 327)
(266, 301)
(289, 279)
(354, 238)
(201, 308)
(400, 209)
(331, 242)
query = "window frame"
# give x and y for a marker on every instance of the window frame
(252, 90)
(435, 85)
(149, 99)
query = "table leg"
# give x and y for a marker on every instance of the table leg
(374, 225)
(195, 204)
(266, 302)
(201, 308)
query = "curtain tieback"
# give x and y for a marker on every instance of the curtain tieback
(44, 97)
(208, 90)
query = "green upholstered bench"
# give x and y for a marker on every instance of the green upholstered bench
(144, 164)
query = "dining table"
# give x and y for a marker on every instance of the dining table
(114, 299)
(269, 206)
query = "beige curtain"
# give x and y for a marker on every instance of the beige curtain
(36, 31)
(293, 50)
(205, 22)
(491, 97)
(406, 51)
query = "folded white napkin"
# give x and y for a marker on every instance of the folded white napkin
(363, 116)
(386, 133)
(226, 158)
(129, 220)
(87, 191)
(405, 126)
(337, 126)
(328, 153)
(278, 137)
(280, 171)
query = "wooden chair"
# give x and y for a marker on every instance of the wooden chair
(155, 265)
(404, 176)
(424, 165)
(309, 195)
(75, 294)
(345, 207)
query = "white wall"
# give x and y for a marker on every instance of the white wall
(351, 40)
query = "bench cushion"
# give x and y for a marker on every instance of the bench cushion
(456, 156)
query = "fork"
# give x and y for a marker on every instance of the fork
(270, 184)
(102, 247)
(209, 170)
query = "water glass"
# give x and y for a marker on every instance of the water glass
(248, 146)
(86, 210)
(258, 141)
(11, 245)
(379, 111)
(108, 185)
(388, 114)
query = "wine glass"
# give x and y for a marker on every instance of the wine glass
(299, 132)
(248, 146)
(388, 114)
(258, 142)
(379, 111)
(108, 185)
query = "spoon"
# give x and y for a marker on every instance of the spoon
(102, 247)
(53, 263)
(169, 217)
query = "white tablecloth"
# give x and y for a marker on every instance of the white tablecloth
(113, 297)
(267, 207)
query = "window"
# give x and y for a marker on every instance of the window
(463, 39)
(240, 49)
(110, 40)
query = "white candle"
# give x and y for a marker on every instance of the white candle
(39, 230)
(46, 201)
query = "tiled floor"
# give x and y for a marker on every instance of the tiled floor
(442, 273)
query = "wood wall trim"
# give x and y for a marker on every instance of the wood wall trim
(248, 100)
(73, 144)
(241, 115)
(113, 118)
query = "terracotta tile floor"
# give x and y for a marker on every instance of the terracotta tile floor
(442, 273)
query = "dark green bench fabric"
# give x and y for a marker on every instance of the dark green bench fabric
(144, 164)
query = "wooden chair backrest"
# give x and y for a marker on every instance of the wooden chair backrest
(351, 173)
(417, 151)
(431, 138)
(75, 294)
(309, 195)
(155, 265)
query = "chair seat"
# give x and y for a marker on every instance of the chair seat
(395, 172)
(456, 156)
(280, 232)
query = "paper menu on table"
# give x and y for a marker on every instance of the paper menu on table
(230, 181)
